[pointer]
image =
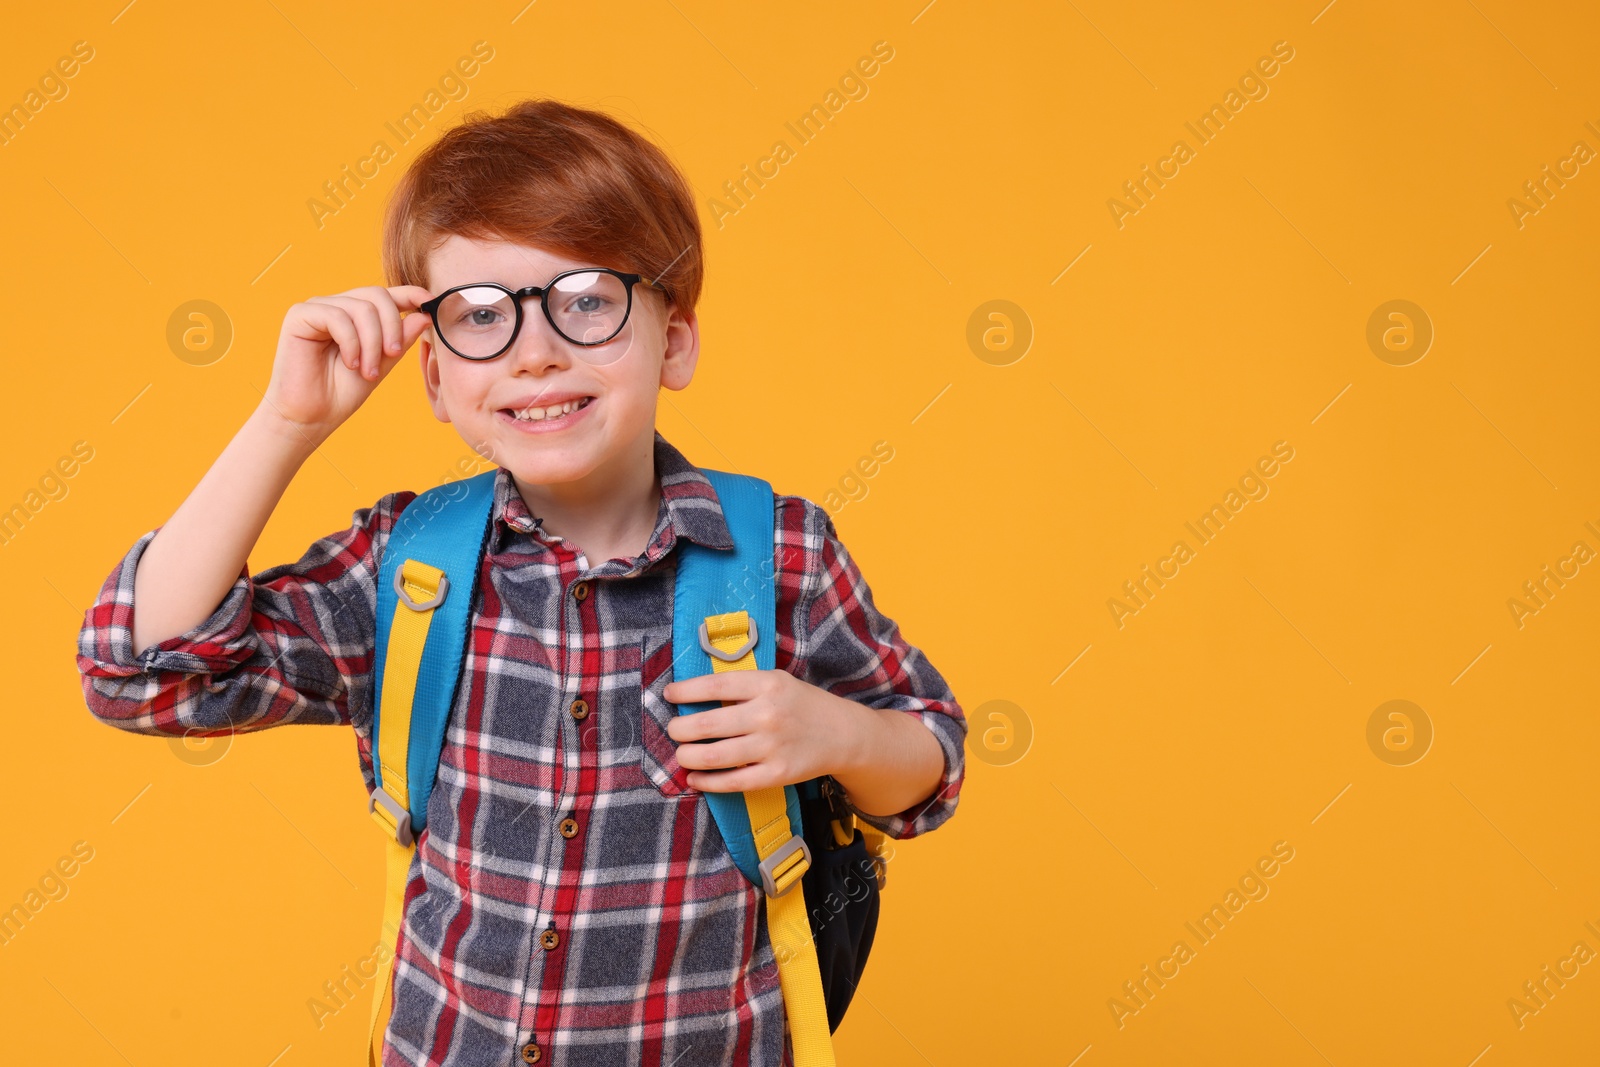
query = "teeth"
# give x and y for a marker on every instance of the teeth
(554, 411)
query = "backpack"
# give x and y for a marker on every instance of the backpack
(799, 843)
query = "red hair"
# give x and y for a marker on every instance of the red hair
(569, 180)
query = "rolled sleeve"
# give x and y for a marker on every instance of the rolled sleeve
(218, 643)
(846, 646)
(294, 644)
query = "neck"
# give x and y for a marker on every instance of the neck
(611, 512)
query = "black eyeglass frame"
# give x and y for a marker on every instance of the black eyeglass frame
(543, 293)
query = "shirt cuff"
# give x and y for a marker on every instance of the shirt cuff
(219, 642)
(938, 806)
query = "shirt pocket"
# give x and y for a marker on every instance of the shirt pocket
(658, 752)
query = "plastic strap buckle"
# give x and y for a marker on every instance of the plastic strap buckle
(405, 597)
(781, 853)
(393, 818)
(728, 657)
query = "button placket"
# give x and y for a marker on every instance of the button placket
(580, 709)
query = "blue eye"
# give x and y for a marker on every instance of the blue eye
(481, 316)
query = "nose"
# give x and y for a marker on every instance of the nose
(538, 349)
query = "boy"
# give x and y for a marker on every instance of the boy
(570, 901)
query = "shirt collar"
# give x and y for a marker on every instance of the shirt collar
(689, 505)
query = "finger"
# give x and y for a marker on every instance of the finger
(388, 317)
(718, 755)
(334, 323)
(370, 327)
(727, 721)
(412, 327)
(742, 780)
(730, 685)
(408, 297)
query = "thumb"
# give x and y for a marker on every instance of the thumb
(411, 328)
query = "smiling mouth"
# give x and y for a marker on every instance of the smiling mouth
(547, 414)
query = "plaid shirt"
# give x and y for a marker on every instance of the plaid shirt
(559, 804)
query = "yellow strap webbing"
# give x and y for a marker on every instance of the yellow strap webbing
(407, 636)
(787, 923)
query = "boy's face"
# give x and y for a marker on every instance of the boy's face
(657, 347)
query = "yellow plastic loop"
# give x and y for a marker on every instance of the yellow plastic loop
(793, 870)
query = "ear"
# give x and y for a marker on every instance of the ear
(682, 351)
(429, 354)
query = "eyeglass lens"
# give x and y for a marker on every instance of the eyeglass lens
(588, 307)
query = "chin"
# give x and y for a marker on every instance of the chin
(552, 469)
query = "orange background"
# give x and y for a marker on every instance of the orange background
(1118, 799)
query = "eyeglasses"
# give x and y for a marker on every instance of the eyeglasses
(588, 307)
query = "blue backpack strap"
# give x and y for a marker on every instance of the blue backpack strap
(445, 527)
(712, 581)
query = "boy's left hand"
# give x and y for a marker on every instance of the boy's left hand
(780, 730)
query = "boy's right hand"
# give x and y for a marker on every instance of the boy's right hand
(334, 350)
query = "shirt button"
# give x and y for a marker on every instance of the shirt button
(549, 939)
(569, 828)
(580, 709)
(531, 1053)
(580, 591)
